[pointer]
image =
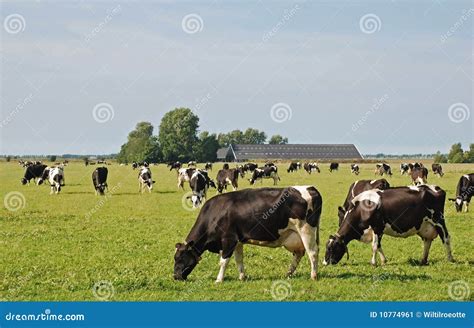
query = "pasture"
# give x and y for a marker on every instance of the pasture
(57, 247)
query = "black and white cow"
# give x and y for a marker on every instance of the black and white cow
(34, 171)
(355, 169)
(311, 167)
(185, 174)
(397, 212)
(419, 175)
(208, 166)
(200, 183)
(270, 217)
(55, 177)
(293, 167)
(250, 167)
(333, 167)
(229, 177)
(383, 168)
(437, 169)
(99, 180)
(174, 165)
(404, 168)
(464, 192)
(145, 180)
(265, 172)
(414, 165)
(192, 164)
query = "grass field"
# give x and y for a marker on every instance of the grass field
(57, 247)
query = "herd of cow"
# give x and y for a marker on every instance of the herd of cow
(289, 217)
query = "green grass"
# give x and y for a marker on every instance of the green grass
(58, 247)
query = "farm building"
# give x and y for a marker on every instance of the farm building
(240, 152)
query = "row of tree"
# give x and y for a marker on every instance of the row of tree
(456, 155)
(178, 140)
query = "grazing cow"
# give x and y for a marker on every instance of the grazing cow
(397, 212)
(404, 168)
(55, 176)
(145, 180)
(229, 177)
(464, 192)
(192, 164)
(383, 168)
(293, 167)
(265, 173)
(311, 167)
(250, 167)
(355, 169)
(437, 169)
(270, 217)
(200, 183)
(333, 167)
(208, 166)
(184, 174)
(99, 180)
(268, 164)
(419, 175)
(33, 171)
(174, 165)
(414, 165)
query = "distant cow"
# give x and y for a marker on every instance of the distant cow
(270, 217)
(192, 164)
(293, 167)
(268, 164)
(333, 167)
(34, 171)
(208, 166)
(250, 167)
(419, 175)
(185, 174)
(174, 165)
(99, 180)
(355, 169)
(464, 192)
(266, 172)
(229, 177)
(55, 176)
(200, 183)
(397, 212)
(404, 168)
(437, 169)
(414, 165)
(145, 180)
(383, 168)
(310, 167)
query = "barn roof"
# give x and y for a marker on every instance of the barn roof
(289, 151)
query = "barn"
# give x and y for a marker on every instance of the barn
(241, 152)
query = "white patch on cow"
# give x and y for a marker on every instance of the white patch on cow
(367, 236)
(415, 188)
(389, 231)
(370, 195)
(373, 181)
(427, 229)
(303, 190)
(466, 176)
(458, 201)
(352, 191)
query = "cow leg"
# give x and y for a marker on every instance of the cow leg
(297, 255)
(444, 235)
(228, 247)
(239, 260)
(466, 204)
(375, 246)
(223, 264)
(426, 250)
(309, 239)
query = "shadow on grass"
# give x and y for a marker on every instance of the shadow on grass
(380, 275)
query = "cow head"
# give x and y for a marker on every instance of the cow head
(335, 250)
(457, 203)
(44, 176)
(185, 259)
(101, 188)
(241, 171)
(24, 181)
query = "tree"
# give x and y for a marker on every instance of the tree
(456, 154)
(278, 140)
(250, 136)
(470, 154)
(8, 158)
(53, 158)
(178, 134)
(254, 137)
(440, 158)
(141, 145)
(206, 147)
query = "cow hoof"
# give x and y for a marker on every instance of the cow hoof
(314, 276)
(218, 281)
(423, 262)
(242, 277)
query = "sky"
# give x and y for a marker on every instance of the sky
(389, 76)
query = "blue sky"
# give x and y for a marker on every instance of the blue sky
(401, 83)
